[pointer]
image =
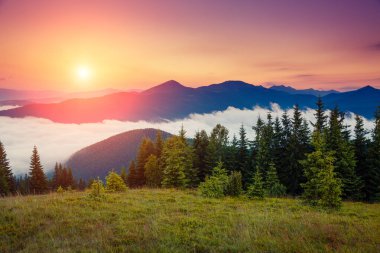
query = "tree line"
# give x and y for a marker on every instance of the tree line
(288, 152)
(36, 181)
(322, 161)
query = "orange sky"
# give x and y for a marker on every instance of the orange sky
(136, 44)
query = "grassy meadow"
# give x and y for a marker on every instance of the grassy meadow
(149, 220)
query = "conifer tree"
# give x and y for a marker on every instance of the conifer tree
(232, 162)
(81, 184)
(177, 160)
(243, 156)
(7, 183)
(158, 145)
(132, 176)
(38, 180)
(372, 178)
(344, 156)
(273, 186)
(145, 150)
(316, 161)
(321, 118)
(153, 173)
(264, 145)
(295, 151)
(361, 148)
(256, 189)
(200, 146)
(217, 147)
(216, 185)
(124, 175)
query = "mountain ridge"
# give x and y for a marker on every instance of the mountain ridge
(172, 100)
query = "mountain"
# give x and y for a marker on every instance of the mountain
(171, 100)
(362, 101)
(291, 90)
(112, 153)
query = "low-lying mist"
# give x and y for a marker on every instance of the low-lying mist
(56, 141)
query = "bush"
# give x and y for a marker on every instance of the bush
(97, 189)
(60, 190)
(234, 187)
(277, 190)
(215, 186)
(114, 183)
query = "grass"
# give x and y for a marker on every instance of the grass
(177, 221)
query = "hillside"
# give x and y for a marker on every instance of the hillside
(176, 221)
(171, 100)
(112, 153)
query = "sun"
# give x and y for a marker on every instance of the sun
(83, 73)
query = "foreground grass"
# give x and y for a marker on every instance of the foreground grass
(176, 221)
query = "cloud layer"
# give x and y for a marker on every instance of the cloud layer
(56, 142)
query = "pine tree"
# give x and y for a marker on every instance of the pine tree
(158, 145)
(361, 147)
(200, 146)
(216, 185)
(145, 150)
(124, 175)
(321, 118)
(322, 186)
(81, 184)
(217, 147)
(256, 190)
(132, 176)
(232, 162)
(264, 145)
(372, 178)
(177, 160)
(38, 180)
(55, 183)
(153, 173)
(295, 151)
(243, 156)
(273, 186)
(7, 183)
(344, 156)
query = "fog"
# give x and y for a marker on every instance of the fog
(57, 141)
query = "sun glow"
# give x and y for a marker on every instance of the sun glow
(83, 73)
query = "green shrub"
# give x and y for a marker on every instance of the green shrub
(114, 183)
(97, 189)
(215, 186)
(60, 190)
(277, 190)
(234, 187)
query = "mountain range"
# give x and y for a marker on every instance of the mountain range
(113, 153)
(313, 92)
(171, 100)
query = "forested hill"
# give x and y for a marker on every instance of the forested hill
(112, 153)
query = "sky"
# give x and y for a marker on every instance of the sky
(78, 45)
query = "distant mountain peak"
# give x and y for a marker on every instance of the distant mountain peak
(171, 83)
(367, 87)
(167, 86)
